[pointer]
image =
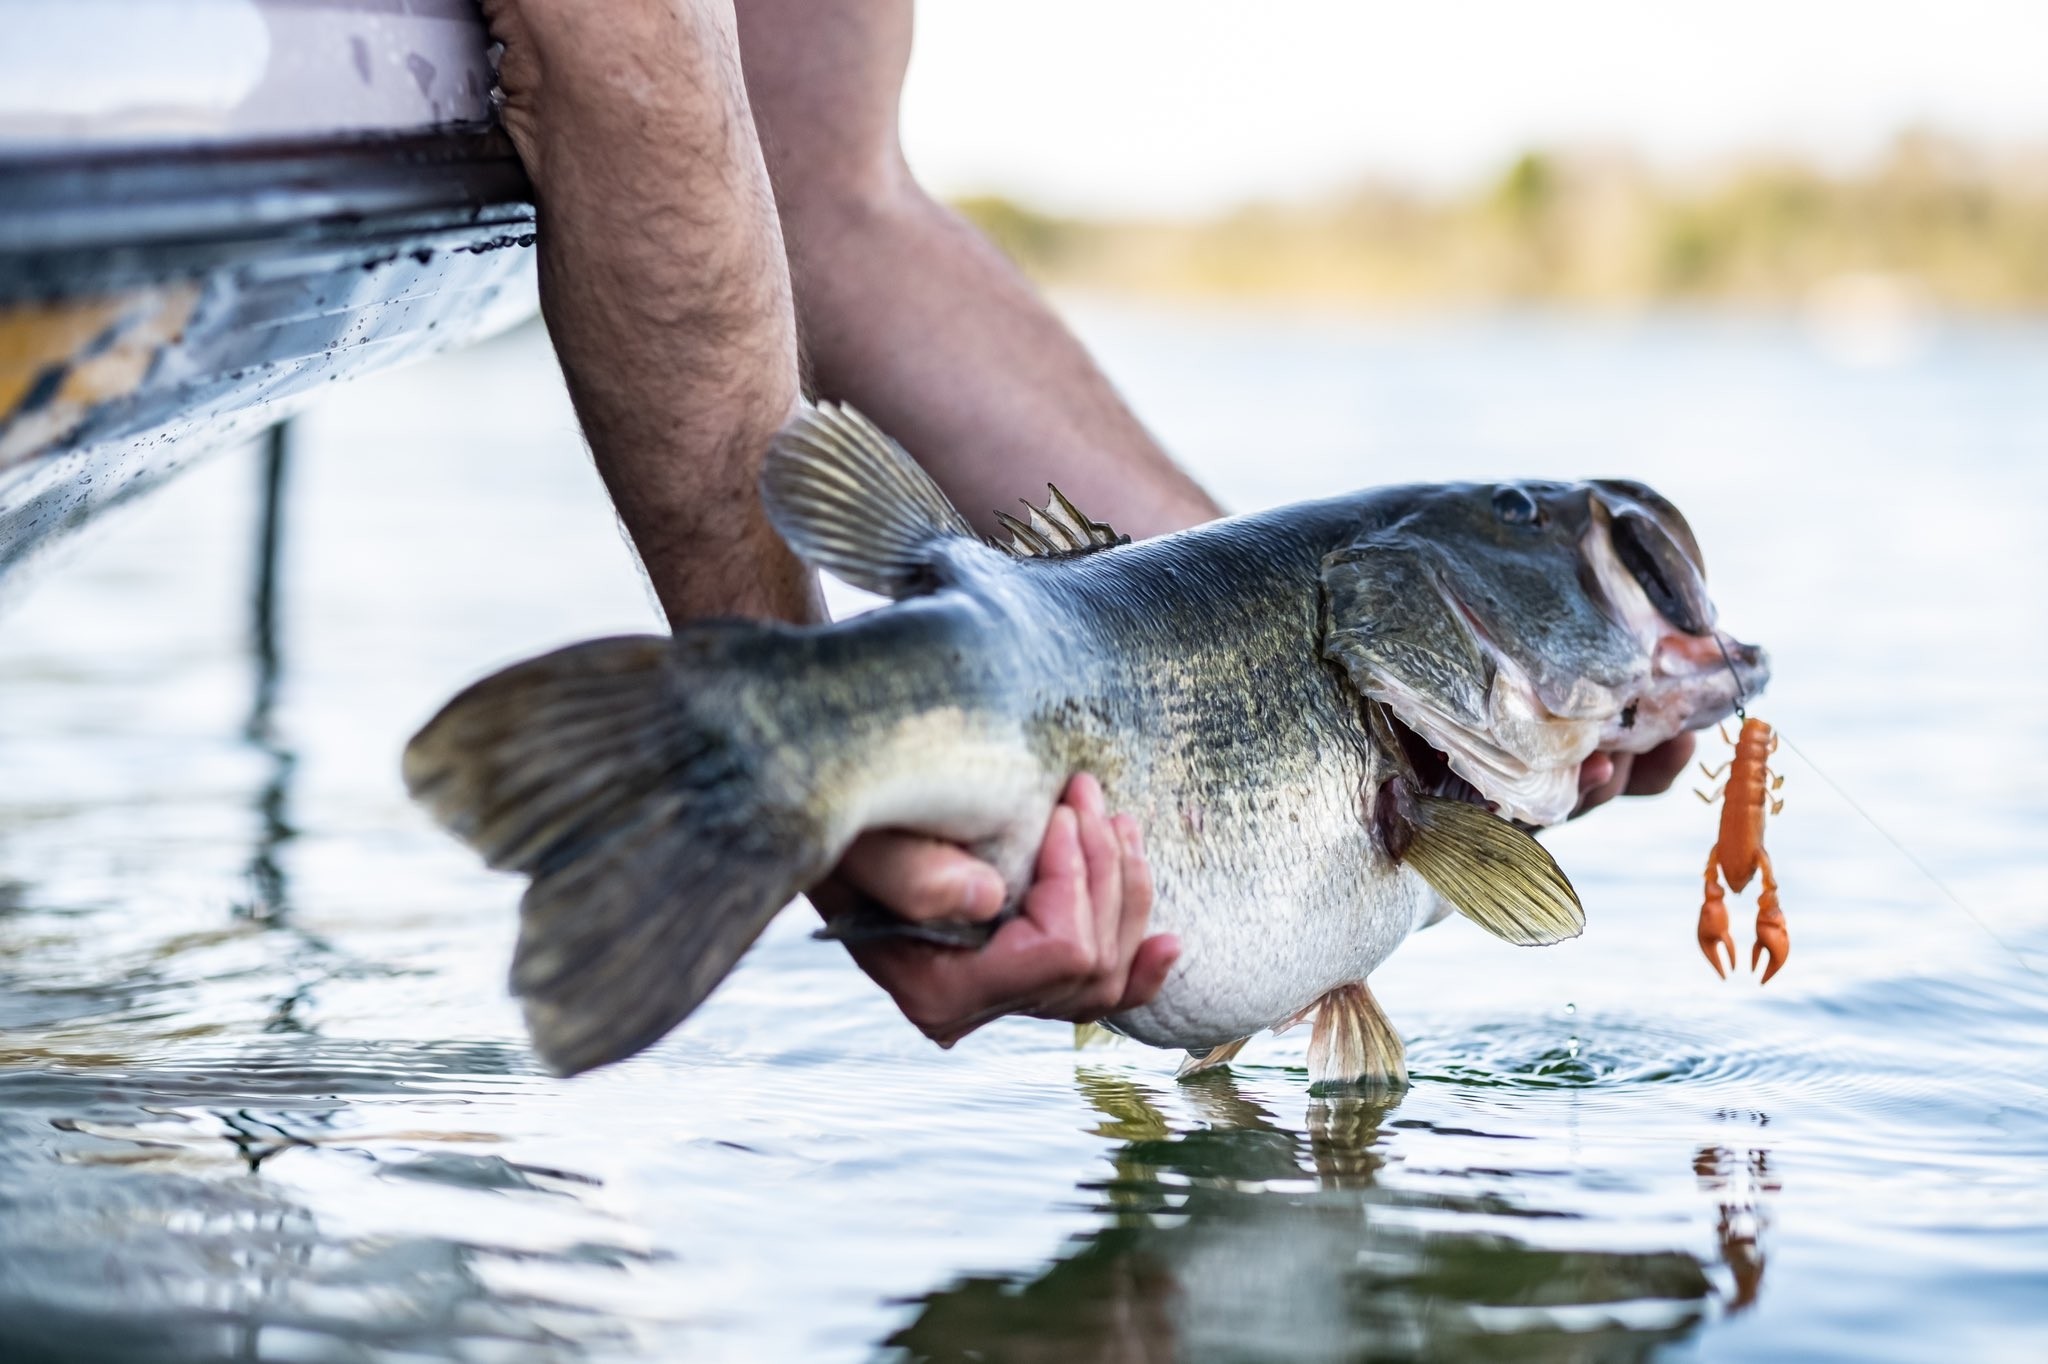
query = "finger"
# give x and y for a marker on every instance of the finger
(1048, 965)
(1137, 902)
(1149, 967)
(1656, 770)
(1084, 793)
(1057, 906)
(947, 994)
(1035, 956)
(1596, 770)
(1610, 788)
(1063, 950)
(1103, 852)
(922, 878)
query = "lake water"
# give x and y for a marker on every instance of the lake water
(262, 1095)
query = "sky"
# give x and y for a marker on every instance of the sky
(1184, 106)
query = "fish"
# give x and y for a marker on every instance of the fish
(1337, 722)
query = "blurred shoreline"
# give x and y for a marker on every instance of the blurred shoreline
(1932, 226)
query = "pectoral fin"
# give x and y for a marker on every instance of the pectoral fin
(1493, 873)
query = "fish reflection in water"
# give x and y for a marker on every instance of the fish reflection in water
(1247, 1238)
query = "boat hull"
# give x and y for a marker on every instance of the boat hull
(166, 295)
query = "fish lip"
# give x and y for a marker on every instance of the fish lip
(1677, 655)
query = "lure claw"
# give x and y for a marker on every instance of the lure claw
(1772, 940)
(1715, 938)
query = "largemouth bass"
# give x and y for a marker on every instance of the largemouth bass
(1336, 722)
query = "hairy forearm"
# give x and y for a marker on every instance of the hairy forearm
(911, 315)
(663, 281)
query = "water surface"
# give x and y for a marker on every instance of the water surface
(261, 1095)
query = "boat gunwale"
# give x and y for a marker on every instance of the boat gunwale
(79, 222)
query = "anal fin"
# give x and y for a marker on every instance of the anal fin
(1353, 1043)
(1197, 1062)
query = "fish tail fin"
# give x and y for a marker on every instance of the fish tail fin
(658, 839)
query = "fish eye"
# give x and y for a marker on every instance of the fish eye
(1515, 507)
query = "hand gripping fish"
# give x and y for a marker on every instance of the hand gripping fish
(1336, 722)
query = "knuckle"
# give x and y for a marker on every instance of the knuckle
(1103, 998)
(1071, 959)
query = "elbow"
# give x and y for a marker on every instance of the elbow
(820, 205)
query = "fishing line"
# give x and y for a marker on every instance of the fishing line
(1742, 695)
(1907, 853)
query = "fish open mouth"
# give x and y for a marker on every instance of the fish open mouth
(1432, 766)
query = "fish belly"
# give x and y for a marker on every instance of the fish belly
(1299, 910)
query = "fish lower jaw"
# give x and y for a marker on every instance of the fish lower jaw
(1696, 681)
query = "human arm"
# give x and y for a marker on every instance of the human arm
(663, 281)
(666, 294)
(909, 313)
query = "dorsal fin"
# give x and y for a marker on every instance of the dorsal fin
(1058, 530)
(849, 500)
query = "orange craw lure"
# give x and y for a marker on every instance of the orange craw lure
(1738, 854)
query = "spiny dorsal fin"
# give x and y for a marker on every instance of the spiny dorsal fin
(847, 499)
(1496, 875)
(1058, 530)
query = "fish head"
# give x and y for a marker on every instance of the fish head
(1516, 628)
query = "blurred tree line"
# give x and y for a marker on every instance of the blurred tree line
(1956, 226)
